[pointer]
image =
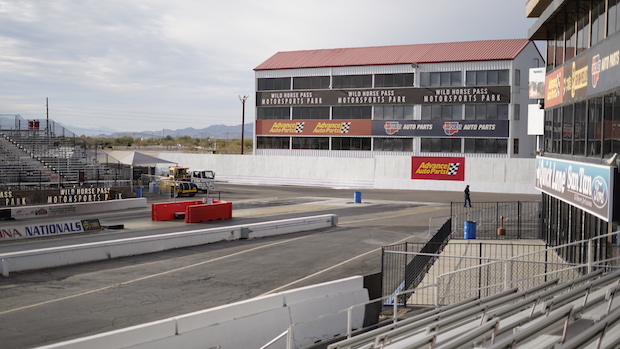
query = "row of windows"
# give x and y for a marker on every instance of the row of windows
(488, 78)
(471, 145)
(580, 25)
(389, 112)
(432, 79)
(339, 81)
(586, 128)
(429, 145)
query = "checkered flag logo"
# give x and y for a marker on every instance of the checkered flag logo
(345, 127)
(454, 169)
(300, 127)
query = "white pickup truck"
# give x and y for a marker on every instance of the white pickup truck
(204, 179)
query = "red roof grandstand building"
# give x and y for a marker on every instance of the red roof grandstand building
(463, 99)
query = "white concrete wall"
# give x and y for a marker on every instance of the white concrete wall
(96, 251)
(493, 175)
(247, 324)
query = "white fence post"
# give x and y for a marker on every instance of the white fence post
(590, 255)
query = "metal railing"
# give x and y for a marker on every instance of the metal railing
(472, 268)
(523, 270)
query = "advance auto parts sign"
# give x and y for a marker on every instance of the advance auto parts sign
(438, 168)
(586, 186)
(313, 127)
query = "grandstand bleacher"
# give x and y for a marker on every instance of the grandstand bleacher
(42, 153)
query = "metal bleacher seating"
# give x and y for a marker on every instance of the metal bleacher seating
(46, 156)
(580, 313)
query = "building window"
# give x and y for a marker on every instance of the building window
(598, 22)
(583, 27)
(273, 142)
(567, 128)
(517, 77)
(394, 80)
(311, 113)
(393, 112)
(486, 145)
(486, 112)
(517, 111)
(580, 116)
(515, 146)
(393, 144)
(487, 77)
(440, 145)
(612, 17)
(353, 112)
(311, 83)
(595, 122)
(611, 143)
(272, 84)
(442, 112)
(440, 79)
(311, 143)
(352, 81)
(350, 143)
(273, 113)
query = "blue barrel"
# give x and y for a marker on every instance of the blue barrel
(470, 230)
(138, 192)
(357, 197)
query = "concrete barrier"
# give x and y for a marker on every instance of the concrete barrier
(247, 324)
(89, 252)
(56, 210)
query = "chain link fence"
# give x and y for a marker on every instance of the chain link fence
(519, 219)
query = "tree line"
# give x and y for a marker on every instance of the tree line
(181, 143)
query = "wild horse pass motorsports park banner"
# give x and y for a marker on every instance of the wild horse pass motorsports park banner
(586, 186)
(449, 95)
(438, 168)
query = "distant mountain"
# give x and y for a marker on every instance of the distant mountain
(213, 131)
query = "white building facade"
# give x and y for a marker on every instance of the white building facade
(428, 109)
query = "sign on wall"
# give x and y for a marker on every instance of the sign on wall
(438, 168)
(41, 229)
(402, 128)
(313, 127)
(586, 186)
(586, 75)
(395, 96)
(441, 128)
(536, 83)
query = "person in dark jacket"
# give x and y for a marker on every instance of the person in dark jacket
(467, 198)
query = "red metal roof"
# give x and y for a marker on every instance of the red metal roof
(486, 50)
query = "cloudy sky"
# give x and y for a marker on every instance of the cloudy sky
(146, 65)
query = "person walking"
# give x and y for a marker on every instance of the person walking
(467, 198)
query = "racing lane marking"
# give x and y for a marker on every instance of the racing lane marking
(330, 268)
(150, 276)
(408, 212)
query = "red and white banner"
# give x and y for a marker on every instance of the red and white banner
(438, 168)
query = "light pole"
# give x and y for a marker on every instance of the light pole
(242, 99)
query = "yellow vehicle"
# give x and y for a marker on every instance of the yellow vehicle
(178, 182)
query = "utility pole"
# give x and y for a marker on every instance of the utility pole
(242, 99)
(47, 116)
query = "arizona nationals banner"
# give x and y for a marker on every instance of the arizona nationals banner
(438, 168)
